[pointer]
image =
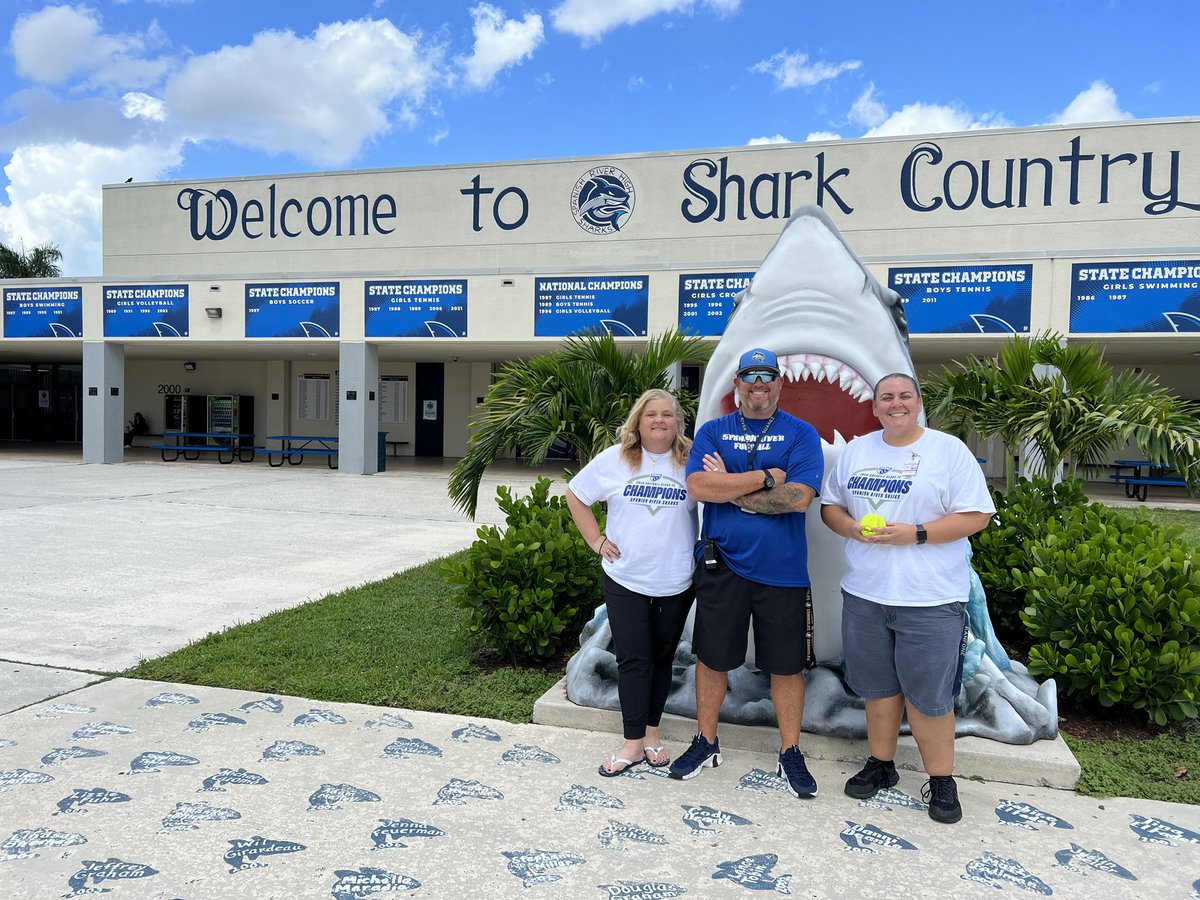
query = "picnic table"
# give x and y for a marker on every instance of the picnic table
(294, 447)
(190, 444)
(1136, 484)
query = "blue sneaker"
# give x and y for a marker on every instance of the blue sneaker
(795, 773)
(700, 754)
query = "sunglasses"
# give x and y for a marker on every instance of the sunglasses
(764, 376)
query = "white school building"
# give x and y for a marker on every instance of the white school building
(357, 302)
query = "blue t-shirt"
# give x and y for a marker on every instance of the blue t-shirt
(767, 549)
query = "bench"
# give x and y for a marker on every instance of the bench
(396, 445)
(1136, 486)
(148, 441)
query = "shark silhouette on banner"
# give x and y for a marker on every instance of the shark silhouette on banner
(836, 331)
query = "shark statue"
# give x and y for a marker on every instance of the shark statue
(836, 331)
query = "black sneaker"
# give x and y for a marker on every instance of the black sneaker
(700, 754)
(795, 773)
(874, 777)
(941, 793)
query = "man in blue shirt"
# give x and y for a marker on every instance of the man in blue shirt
(756, 471)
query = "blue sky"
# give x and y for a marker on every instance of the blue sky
(160, 89)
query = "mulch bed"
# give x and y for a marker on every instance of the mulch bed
(1097, 723)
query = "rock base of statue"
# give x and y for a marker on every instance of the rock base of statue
(1008, 706)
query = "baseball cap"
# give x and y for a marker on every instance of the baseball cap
(758, 358)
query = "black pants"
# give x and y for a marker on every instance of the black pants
(645, 634)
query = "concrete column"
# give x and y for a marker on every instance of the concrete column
(103, 402)
(358, 420)
(675, 374)
(279, 398)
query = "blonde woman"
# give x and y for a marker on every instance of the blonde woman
(647, 556)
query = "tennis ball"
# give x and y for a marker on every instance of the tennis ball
(871, 523)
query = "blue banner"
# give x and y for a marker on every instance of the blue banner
(706, 300)
(566, 306)
(410, 308)
(43, 312)
(965, 299)
(146, 310)
(1123, 297)
(309, 310)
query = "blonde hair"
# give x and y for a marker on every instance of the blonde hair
(631, 439)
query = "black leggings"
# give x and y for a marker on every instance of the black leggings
(645, 634)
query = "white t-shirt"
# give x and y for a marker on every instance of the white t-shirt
(651, 519)
(932, 477)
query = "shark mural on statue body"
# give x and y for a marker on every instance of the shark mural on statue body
(836, 331)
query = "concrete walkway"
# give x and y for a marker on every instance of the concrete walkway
(179, 791)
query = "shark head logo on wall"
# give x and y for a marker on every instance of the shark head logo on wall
(602, 200)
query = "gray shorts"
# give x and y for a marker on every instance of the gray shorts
(916, 651)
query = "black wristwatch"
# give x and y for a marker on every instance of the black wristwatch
(768, 480)
(922, 535)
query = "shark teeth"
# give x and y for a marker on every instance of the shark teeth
(814, 366)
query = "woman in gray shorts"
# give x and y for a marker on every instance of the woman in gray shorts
(906, 584)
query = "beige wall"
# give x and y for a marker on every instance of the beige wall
(1097, 201)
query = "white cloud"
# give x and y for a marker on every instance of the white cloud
(319, 98)
(54, 194)
(1096, 104)
(499, 43)
(136, 105)
(778, 139)
(932, 118)
(635, 84)
(824, 136)
(794, 70)
(592, 19)
(867, 110)
(58, 42)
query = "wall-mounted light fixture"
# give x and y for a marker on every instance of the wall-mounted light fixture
(189, 366)
(213, 312)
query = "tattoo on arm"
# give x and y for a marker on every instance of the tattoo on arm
(783, 498)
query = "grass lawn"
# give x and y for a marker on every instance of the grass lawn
(1185, 519)
(399, 642)
(1163, 767)
(403, 642)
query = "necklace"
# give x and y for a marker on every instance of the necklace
(655, 458)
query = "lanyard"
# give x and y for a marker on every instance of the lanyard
(753, 452)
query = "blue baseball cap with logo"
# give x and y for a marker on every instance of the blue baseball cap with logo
(758, 358)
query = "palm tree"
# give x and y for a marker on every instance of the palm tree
(578, 395)
(1065, 402)
(40, 262)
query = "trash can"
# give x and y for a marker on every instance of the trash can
(383, 451)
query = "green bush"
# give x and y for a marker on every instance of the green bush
(1003, 547)
(1114, 612)
(531, 587)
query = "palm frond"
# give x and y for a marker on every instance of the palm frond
(580, 395)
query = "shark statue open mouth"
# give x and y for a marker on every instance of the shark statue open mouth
(836, 332)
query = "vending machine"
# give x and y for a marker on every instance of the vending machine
(185, 412)
(231, 414)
